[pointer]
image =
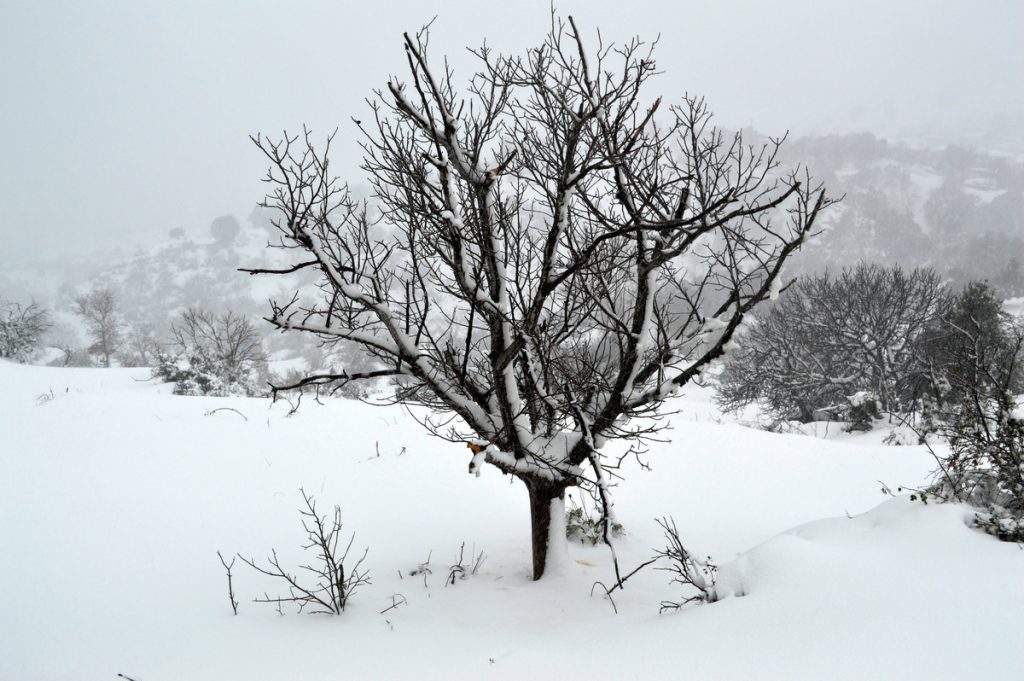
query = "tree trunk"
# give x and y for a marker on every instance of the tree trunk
(542, 494)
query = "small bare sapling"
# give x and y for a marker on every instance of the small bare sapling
(687, 571)
(461, 569)
(334, 583)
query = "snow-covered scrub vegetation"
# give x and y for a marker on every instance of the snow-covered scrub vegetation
(21, 329)
(867, 341)
(546, 257)
(879, 340)
(819, 574)
(985, 466)
(979, 413)
(213, 354)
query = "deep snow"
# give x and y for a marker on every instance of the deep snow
(116, 495)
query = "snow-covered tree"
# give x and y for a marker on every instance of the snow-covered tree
(21, 329)
(838, 343)
(101, 313)
(969, 343)
(548, 254)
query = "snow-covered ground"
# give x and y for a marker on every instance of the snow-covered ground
(116, 495)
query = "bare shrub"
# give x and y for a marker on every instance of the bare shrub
(141, 347)
(461, 569)
(695, 575)
(334, 584)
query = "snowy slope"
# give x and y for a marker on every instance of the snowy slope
(116, 495)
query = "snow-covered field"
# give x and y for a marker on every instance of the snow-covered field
(116, 495)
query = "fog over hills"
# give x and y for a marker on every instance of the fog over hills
(956, 209)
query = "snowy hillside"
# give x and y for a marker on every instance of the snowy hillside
(115, 497)
(959, 210)
(956, 209)
(187, 269)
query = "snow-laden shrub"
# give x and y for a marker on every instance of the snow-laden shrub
(870, 341)
(21, 330)
(583, 524)
(214, 354)
(195, 374)
(984, 428)
(696, 576)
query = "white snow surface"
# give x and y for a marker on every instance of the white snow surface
(115, 496)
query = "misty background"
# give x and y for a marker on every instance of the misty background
(128, 164)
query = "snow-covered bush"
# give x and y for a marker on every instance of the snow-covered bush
(984, 428)
(830, 340)
(585, 525)
(863, 411)
(21, 329)
(214, 354)
(696, 576)
(195, 374)
(963, 347)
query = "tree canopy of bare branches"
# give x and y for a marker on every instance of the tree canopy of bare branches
(549, 253)
(831, 337)
(226, 340)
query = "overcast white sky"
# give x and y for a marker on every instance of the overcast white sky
(123, 120)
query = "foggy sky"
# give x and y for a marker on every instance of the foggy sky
(123, 120)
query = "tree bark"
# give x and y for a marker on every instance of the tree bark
(542, 493)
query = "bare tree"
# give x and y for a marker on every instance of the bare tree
(227, 340)
(21, 329)
(549, 253)
(99, 310)
(141, 348)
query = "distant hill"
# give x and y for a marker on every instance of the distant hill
(956, 209)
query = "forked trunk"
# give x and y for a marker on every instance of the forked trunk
(546, 502)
